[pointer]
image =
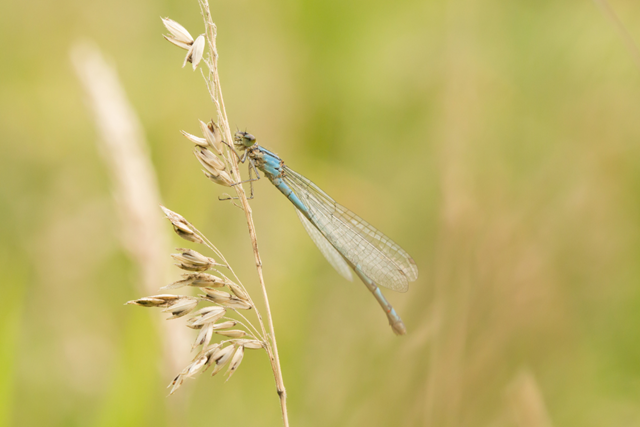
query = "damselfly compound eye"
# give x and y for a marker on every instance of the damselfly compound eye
(244, 139)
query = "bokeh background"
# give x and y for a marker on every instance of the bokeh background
(498, 142)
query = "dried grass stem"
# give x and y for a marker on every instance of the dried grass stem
(215, 91)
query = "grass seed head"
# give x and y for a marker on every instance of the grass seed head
(233, 333)
(181, 226)
(204, 337)
(199, 280)
(176, 383)
(182, 307)
(195, 52)
(221, 357)
(235, 361)
(209, 352)
(180, 44)
(209, 161)
(217, 296)
(225, 325)
(206, 315)
(195, 366)
(179, 35)
(187, 235)
(213, 135)
(200, 142)
(213, 167)
(191, 260)
(250, 344)
(237, 303)
(164, 300)
(207, 149)
(238, 291)
(222, 178)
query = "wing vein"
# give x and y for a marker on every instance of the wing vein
(363, 245)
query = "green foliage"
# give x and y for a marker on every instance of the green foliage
(496, 142)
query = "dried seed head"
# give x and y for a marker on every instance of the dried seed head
(223, 178)
(204, 280)
(189, 255)
(235, 361)
(179, 35)
(238, 291)
(177, 43)
(181, 226)
(214, 167)
(195, 366)
(164, 300)
(194, 55)
(237, 303)
(209, 161)
(201, 142)
(204, 337)
(189, 325)
(177, 305)
(176, 383)
(221, 357)
(250, 344)
(193, 261)
(217, 296)
(199, 280)
(213, 135)
(233, 333)
(206, 315)
(187, 234)
(209, 352)
(198, 50)
(225, 325)
(181, 308)
(173, 216)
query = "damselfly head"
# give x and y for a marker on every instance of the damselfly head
(243, 139)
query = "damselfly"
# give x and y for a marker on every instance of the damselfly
(346, 240)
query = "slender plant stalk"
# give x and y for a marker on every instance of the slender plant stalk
(135, 187)
(216, 95)
(222, 168)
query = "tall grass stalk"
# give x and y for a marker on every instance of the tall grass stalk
(124, 149)
(220, 163)
(215, 90)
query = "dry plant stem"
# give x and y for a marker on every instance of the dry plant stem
(125, 150)
(134, 186)
(216, 95)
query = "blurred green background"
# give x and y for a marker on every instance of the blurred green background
(497, 142)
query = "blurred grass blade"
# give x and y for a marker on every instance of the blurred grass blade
(124, 149)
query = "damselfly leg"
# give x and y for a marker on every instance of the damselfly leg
(252, 167)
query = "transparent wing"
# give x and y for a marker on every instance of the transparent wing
(382, 260)
(327, 249)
